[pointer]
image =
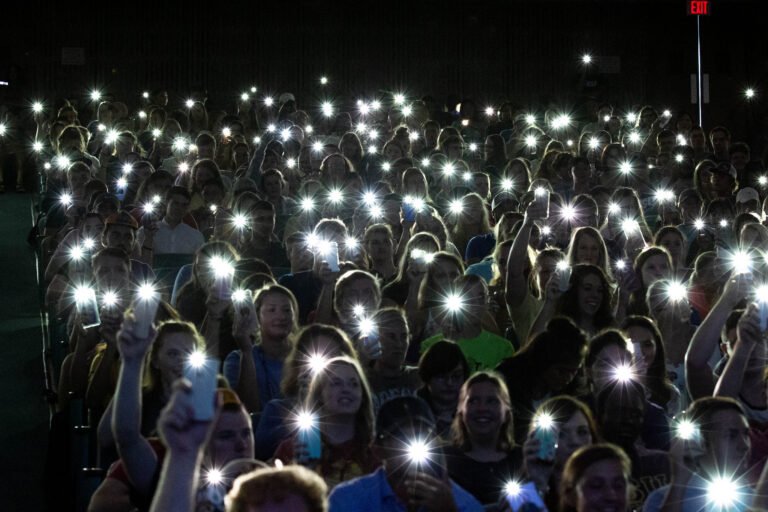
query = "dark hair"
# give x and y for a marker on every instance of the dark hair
(562, 342)
(568, 304)
(177, 191)
(578, 464)
(564, 407)
(703, 409)
(657, 380)
(440, 358)
(602, 340)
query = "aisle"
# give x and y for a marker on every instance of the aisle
(23, 413)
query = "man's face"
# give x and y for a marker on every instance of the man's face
(719, 142)
(739, 160)
(728, 441)
(111, 274)
(176, 209)
(119, 237)
(262, 222)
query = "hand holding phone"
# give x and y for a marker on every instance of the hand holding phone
(539, 207)
(202, 371)
(333, 257)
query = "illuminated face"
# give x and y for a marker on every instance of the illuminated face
(173, 353)
(415, 186)
(120, 237)
(335, 170)
(572, 435)
(721, 183)
(481, 185)
(91, 228)
(728, 441)
(392, 152)
(588, 250)
(656, 267)
(232, 439)
(177, 208)
(604, 486)
(473, 210)
(483, 411)
(643, 340)
(674, 244)
(343, 392)
(111, 274)
(276, 316)
(453, 151)
(394, 342)
(590, 295)
(77, 180)
(262, 222)
(604, 367)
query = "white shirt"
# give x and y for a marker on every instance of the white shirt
(183, 239)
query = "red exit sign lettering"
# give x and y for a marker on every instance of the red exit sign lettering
(698, 7)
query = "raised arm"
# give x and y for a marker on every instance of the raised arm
(699, 378)
(749, 335)
(516, 287)
(138, 457)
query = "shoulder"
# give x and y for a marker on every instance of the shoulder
(465, 502)
(354, 494)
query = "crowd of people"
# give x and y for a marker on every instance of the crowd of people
(393, 304)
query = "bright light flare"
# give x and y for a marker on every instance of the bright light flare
(625, 168)
(335, 196)
(544, 420)
(490, 111)
(507, 184)
(197, 359)
(454, 302)
(687, 430)
(37, 146)
(530, 141)
(221, 267)
(723, 492)
(586, 59)
(327, 108)
(742, 262)
(214, 477)
(623, 373)
(665, 195)
(399, 98)
(630, 226)
(146, 291)
(749, 93)
(84, 294)
(594, 143)
(323, 80)
(699, 224)
(95, 95)
(189, 103)
(456, 206)
(677, 291)
(418, 451)
(37, 107)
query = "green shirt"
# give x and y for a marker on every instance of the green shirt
(483, 352)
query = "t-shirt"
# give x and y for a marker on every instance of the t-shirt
(480, 246)
(269, 372)
(483, 352)
(373, 493)
(181, 239)
(384, 388)
(484, 480)
(524, 315)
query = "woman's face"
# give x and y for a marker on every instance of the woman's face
(392, 152)
(394, 342)
(445, 387)
(588, 250)
(336, 170)
(202, 175)
(444, 273)
(603, 486)
(276, 316)
(655, 268)
(359, 292)
(590, 295)
(546, 267)
(483, 411)
(92, 228)
(414, 186)
(473, 210)
(674, 244)
(343, 392)
(172, 355)
(232, 438)
(573, 434)
(644, 346)
(603, 369)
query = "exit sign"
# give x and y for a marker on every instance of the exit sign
(698, 7)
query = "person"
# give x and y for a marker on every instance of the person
(120, 233)
(290, 488)
(170, 235)
(483, 454)
(586, 301)
(463, 309)
(596, 477)
(340, 400)
(442, 369)
(652, 264)
(548, 365)
(380, 247)
(273, 320)
(388, 375)
(720, 452)
(402, 483)
(575, 427)
(314, 346)
(258, 239)
(307, 286)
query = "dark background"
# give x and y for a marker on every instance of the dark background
(524, 51)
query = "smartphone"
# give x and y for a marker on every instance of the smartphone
(547, 443)
(145, 310)
(245, 307)
(223, 286)
(564, 278)
(763, 311)
(311, 438)
(333, 257)
(88, 308)
(203, 379)
(372, 343)
(409, 212)
(525, 496)
(541, 200)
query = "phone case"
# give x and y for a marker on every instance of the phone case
(311, 437)
(543, 203)
(333, 257)
(223, 287)
(89, 310)
(548, 444)
(145, 311)
(564, 278)
(203, 379)
(528, 495)
(373, 342)
(763, 311)
(409, 212)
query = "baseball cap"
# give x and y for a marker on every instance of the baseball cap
(121, 218)
(747, 194)
(404, 411)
